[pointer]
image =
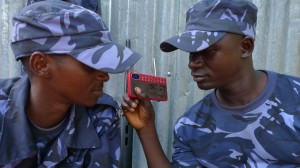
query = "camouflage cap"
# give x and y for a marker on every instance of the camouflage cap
(58, 27)
(209, 20)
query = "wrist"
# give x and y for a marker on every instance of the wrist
(148, 131)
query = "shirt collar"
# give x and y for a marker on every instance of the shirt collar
(16, 131)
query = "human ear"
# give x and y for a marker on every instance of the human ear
(38, 64)
(247, 46)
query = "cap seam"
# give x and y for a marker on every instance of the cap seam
(57, 13)
(54, 36)
(222, 21)
(72, 51)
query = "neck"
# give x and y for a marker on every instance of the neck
(243, 91)
(44, 110)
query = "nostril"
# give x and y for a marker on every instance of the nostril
(103, 76)
(196, 62)
(106, 77)
(193, 64)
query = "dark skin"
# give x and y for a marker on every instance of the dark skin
(58, 82)
(225, 66)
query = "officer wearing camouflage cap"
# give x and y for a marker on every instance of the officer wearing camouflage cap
(251, 117)
(57, 115)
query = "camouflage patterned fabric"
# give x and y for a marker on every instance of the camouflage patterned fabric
(209, 20)
(89, 4)
(58, 27)
(97, 146)
(263, 134)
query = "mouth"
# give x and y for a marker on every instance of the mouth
(98, 91)
(199, 77)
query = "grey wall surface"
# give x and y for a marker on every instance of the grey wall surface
(148, 22)
(8, 65)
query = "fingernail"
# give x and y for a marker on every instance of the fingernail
(137, 89)
(134, 105)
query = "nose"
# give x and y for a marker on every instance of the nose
(103, 76)
(195, 61)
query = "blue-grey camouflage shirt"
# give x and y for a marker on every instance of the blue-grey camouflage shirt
(91, 137)
(263, 134)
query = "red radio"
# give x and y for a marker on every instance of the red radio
(154, 86)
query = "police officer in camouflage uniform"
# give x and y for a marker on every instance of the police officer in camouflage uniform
(250, 119)
(56, 115)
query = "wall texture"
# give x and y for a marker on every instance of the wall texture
(148, 22)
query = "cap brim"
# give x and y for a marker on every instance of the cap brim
(110, 58)
(191, 41)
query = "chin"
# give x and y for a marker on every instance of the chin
(90, 104)
(205, 87)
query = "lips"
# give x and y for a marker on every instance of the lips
(199, 77)
(98, 90)
(97, 93)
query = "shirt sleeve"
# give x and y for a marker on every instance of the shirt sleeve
(183, 156)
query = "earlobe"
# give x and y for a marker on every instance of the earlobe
(39, 64)
(247, 46)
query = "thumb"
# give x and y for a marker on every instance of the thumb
(142, 96)
(145, 104)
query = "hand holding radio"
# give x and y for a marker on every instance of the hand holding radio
(139, 112)
(136, 105)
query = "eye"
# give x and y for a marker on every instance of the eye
(87, 68)
(193, 56)
(204, 53)
(209, 52)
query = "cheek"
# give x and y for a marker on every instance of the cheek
(221, 64)
(74, 85)
(80, 85)
(227, 69)
(79, 77)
